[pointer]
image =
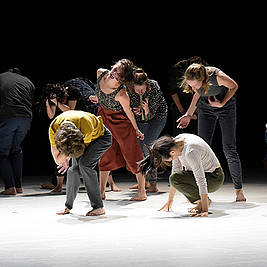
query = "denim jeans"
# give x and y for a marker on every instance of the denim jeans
(151, 129)
(12, 133)
(84, 167)
(207, 119)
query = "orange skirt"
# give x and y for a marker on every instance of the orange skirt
(125, 150)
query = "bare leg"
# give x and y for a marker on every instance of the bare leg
(103, 178)
(239, 195)
(58, 188)
(153, 188)
(141, 194)
(112, 184)
(147, 185)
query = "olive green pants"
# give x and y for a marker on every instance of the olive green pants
(184, 182)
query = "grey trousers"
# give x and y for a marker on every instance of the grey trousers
(84, 167)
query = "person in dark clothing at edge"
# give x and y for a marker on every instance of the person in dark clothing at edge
(181, 100)
(63, 97)
(16, 100)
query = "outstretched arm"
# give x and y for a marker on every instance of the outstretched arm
(124, 100)
(185, 119)
(168, 205)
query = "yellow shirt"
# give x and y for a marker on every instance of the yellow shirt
(90, 125)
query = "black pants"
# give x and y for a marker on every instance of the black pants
(226, 116)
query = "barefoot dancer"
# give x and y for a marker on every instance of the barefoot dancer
(82, 137)
(151, 110)
(114, 108)
(196, 170)
(214, 96)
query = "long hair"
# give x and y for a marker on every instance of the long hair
(159, 152)
(196, 72)
(126, 71)
(139, 78)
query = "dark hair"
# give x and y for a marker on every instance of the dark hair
(139, 78)
(69, 140)
(159, 152)
(126, 71)
(196, 59)
(55, 90)
(14, 70)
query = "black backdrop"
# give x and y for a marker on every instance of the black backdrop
(56, 65)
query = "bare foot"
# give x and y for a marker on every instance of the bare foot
(115, 188)
(153, 188)
(57, 189)
(96, 212)
(19, 190)
(47, 186)
(240, 195)
(64, 212)
(139, 197)
(9, 191)
(136, 186)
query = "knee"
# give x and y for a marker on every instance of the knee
(175, 179)
(230, 151)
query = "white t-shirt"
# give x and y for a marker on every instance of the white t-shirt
(198, 157)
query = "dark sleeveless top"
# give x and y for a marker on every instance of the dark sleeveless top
(214, 90)
(107, 101)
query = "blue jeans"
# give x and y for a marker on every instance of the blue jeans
(207, 119)
(12, 133)
(152, 130)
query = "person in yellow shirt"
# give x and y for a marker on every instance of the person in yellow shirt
(83, 138)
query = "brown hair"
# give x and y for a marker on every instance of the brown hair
(196, 72)
(69, 140)
(126, 70)
(139, 78)
(159, 152)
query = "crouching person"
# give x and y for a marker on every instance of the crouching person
(83, 138)
(196, 171)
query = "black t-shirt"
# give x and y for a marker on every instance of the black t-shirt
(73, 95)
(16, 96)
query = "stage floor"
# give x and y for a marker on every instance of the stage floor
(134, 233)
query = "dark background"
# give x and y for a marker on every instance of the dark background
(58, 64)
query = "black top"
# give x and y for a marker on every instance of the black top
(16, 96)
(214, 90)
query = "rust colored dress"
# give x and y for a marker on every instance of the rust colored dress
(125, 150)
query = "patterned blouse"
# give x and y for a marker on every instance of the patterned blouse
(107, 101)
(158, 108)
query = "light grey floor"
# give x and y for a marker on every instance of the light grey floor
(134, 233)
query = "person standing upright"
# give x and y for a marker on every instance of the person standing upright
(16, 99)
(214, 96)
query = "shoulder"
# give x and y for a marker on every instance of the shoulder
(122, 95)
(154, 83)
(100, 71)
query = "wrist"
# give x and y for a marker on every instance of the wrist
(188, 115)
